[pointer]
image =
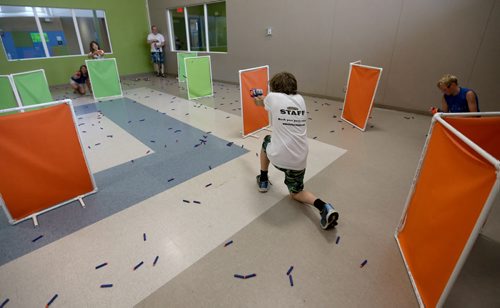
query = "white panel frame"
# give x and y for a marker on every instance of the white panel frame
(358, 63)
(252, 134)
(119, 79)
(18, 97)
(211, 78)
(77, 198)
(438, 117)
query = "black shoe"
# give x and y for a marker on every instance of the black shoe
(329, 217)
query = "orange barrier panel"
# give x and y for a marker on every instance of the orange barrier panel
(254, 117)
(451, 191)
(483, 131)
(361, 89)
(41, 160)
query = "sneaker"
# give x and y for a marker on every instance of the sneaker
(263, 185)
(329, 217)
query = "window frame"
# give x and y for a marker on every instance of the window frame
(188, 34)
(42, 36)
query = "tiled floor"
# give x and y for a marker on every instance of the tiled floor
(366, 175)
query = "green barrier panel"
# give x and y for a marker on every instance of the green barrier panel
(7, 97)
(199, 77)
(32, 87)
(104, 78)
(181, 66)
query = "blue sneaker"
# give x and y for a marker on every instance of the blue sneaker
(263, 185)
(329, 217)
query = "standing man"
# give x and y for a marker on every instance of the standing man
(157, 41)
(456, 98)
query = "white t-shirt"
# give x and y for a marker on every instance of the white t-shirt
(289, 147)
(159, 38)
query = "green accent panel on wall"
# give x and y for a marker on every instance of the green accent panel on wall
(128, 28)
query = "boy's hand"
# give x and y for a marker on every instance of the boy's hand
(259, 100)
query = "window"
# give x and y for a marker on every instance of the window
(216, 14)
(92, 26)
(35, 32)
(198, 28)
(196, 22)
(178, 24)
(18, 28)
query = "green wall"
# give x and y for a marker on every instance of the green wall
(128, 28)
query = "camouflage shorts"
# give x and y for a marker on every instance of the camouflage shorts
(294, 179)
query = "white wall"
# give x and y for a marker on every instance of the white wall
(415, 42)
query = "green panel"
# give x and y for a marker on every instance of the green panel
(7, 98)
(181, 66)
(199, 77)
(128, 39)
(32, 88)
(104, 78)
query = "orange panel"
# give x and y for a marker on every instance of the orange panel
(485, 132)
(41, 161)
(254, 117)
(449, 196)
(361, 89)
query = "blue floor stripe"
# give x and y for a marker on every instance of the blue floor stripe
(127, 184)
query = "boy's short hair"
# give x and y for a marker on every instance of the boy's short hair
(447, 80)
(284, 82)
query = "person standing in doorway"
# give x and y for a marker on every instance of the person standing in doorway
(157, 41)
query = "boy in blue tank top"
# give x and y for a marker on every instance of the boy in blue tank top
(455, 98)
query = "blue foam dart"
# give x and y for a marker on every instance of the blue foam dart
(210, 184)
(239, 276)
(364, 263)
(290, 270)
(52, 300)
(156, 260)
(4, 303)
(250, 276)
(291, 280)
(170, 180)
(228, 243)
(338, 240)
(197, 202)
(144, 236)
(109, 285)
(138, 265)
(101, 265)
(36, 239)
